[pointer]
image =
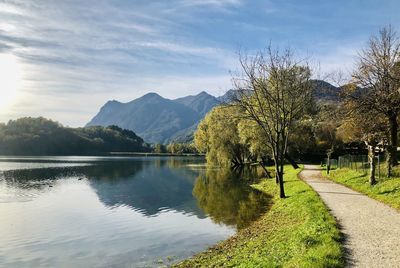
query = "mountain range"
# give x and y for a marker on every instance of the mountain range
(160, 120)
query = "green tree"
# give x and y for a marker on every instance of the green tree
(217, 136)
(181, 148)
(41, 136)
(253, 137)
(302, 141)
(327, 122)
(160, 148)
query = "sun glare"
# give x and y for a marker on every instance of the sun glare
(10, 80)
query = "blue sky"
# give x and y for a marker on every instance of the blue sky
(65, 59)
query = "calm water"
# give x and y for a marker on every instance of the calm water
(117, 212)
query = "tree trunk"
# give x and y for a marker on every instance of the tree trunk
(372, 162)
(291, 161)
(392, 147)
(265, 169)
(389, 165)
(277, 159)
(328, 164)
(277, 172)
(281, 186)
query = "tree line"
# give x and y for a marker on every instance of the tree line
(175, 148)
(273, 115)
(41, 136)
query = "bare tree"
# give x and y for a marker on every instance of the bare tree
(378, 78)
(273, 90)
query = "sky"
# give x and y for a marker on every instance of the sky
(64, 59)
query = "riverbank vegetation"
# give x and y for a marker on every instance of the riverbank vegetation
(371, 102)
(273, 117)
(276, 114)
(272, 94)
(296, 232)
(386, 190)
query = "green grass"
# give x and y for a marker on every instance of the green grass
(387, 190)
(296, 232)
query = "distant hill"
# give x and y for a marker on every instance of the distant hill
(201, 103)
(160, 120)
(324, 91)
(156, 119)
(228, 96)
(40, 136)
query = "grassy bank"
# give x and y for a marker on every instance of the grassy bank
(387, 190)
(296, 232)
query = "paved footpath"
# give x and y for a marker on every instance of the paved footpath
(370, 228)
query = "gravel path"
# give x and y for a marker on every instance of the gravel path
(371, 229)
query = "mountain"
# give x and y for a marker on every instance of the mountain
(322, 90)
(201, 103)
(184, 135)
(160, 120)
(228, 96)
(152, 117)
(325, 92)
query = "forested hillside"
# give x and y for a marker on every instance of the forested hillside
(40, 136)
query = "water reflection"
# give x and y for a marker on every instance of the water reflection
(125, 212)
(158, 185)
(224, 196)
(146, 186)
(151, 189)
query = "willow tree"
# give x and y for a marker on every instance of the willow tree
(273, 90)
(378, 78)
(217, 135)
(253, 136)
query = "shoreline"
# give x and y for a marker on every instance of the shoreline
(297, 231)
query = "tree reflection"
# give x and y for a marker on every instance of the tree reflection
(154, 185)
(227, 199)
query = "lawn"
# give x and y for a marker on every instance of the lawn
(386, 190)
(296, 232)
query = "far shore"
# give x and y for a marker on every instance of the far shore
(153, 154)
(110, 154)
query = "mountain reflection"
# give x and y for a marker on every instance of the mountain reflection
(151, 189)
(150, 186)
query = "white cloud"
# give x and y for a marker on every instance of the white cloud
(77, 107)
(77, 55)
(215, 3)
(11, 9)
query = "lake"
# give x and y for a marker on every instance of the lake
(118, 211)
